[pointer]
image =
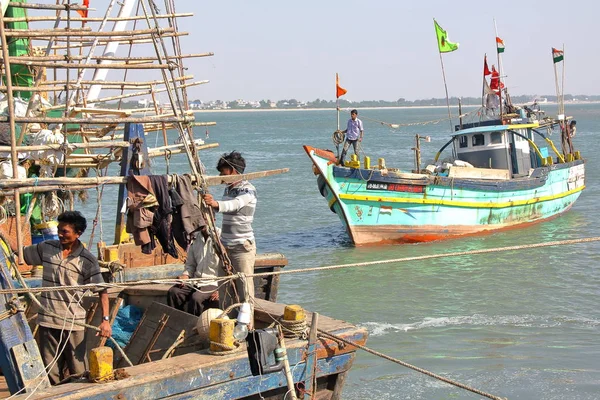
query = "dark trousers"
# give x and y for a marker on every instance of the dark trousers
(72, 356)
(188, 299)
(347, 144)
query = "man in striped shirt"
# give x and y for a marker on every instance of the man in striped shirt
(66, 263)
(237, 206)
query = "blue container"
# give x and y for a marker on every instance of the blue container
(35, 239)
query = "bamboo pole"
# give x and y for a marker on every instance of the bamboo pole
(97, 121)
(94, 19)
(67, 65)
(132, 83)
(172, 147)
(129, 95)
(107, 58)
(62, 7)
(70, 146)
(117, 36)
(104, 42)
(10, 101)
(57, 182)
(85, 32)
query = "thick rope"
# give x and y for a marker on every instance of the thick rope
(303, 270)
(407, 365)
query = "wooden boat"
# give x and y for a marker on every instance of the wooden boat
(504, 172)
(171, 357)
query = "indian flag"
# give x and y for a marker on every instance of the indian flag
(385, 210)
(557, 55)
(499, 45)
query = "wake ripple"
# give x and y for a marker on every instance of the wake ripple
(476, 320)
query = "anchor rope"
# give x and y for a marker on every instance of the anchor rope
(407, 365)
(343, 341)
(303, 270)
(421, 123)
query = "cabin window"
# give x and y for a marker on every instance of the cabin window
(496, 137)
(478, 140)
(463, 142)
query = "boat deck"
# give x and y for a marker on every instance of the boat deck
(200, 374)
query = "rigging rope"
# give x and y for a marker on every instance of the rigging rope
(432, 122)
(303, 270)
(407, 365)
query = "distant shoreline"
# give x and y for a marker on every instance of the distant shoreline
(347, 109)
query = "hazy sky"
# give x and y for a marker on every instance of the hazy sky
(266, 49)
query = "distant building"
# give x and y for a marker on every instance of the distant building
(195, 105)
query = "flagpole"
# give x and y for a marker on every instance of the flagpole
(446, 88)
(499, 71)
(483, 83)
(560, 115)
(337, 100)
(562, 85)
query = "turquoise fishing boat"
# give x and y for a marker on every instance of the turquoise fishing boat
(498, 176)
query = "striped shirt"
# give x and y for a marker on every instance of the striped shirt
(79, 268)
(238, 206)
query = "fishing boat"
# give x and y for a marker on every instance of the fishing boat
(504, 171)
(66, 134)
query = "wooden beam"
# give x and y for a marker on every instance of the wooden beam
(96, 19)
(85, 32)
(70, 146)
(104, 58)
(97, 121)
(34, 6)
(69, 183)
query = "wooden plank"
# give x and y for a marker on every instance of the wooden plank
(479, 173)
(177, 321)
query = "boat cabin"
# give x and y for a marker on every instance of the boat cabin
(490, 144)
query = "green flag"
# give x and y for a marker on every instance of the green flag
(444, 45)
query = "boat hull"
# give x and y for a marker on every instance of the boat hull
(395, 207)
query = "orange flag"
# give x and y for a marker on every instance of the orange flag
(339, 91)
(84, 13)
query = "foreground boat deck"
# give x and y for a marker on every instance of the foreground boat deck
(202, 375)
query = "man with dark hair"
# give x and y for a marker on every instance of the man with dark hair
(237, 205)
(66, 263)
(354, 134)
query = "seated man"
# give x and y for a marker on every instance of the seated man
(201, 262)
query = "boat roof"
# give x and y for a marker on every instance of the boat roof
(496, 128)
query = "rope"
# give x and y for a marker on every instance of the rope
(342, 342)
(227, 350)
(304, 270)
(432, 122)
(294, 329)
(405, 364)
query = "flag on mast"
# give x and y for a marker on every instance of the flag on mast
(557, 55)
(486, 70)
(444, 45)
(499, 45)
(339, 91)
(84, 13)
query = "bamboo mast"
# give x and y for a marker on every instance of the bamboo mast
(94, 19)
(13, 137)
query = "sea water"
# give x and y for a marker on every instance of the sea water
(522, 324)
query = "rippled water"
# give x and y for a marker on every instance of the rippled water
(516, 324)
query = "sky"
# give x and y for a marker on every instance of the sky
(384, 49)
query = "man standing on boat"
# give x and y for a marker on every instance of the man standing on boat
(66, 263)
(201, 262)
(237, 206)
(354, 134)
